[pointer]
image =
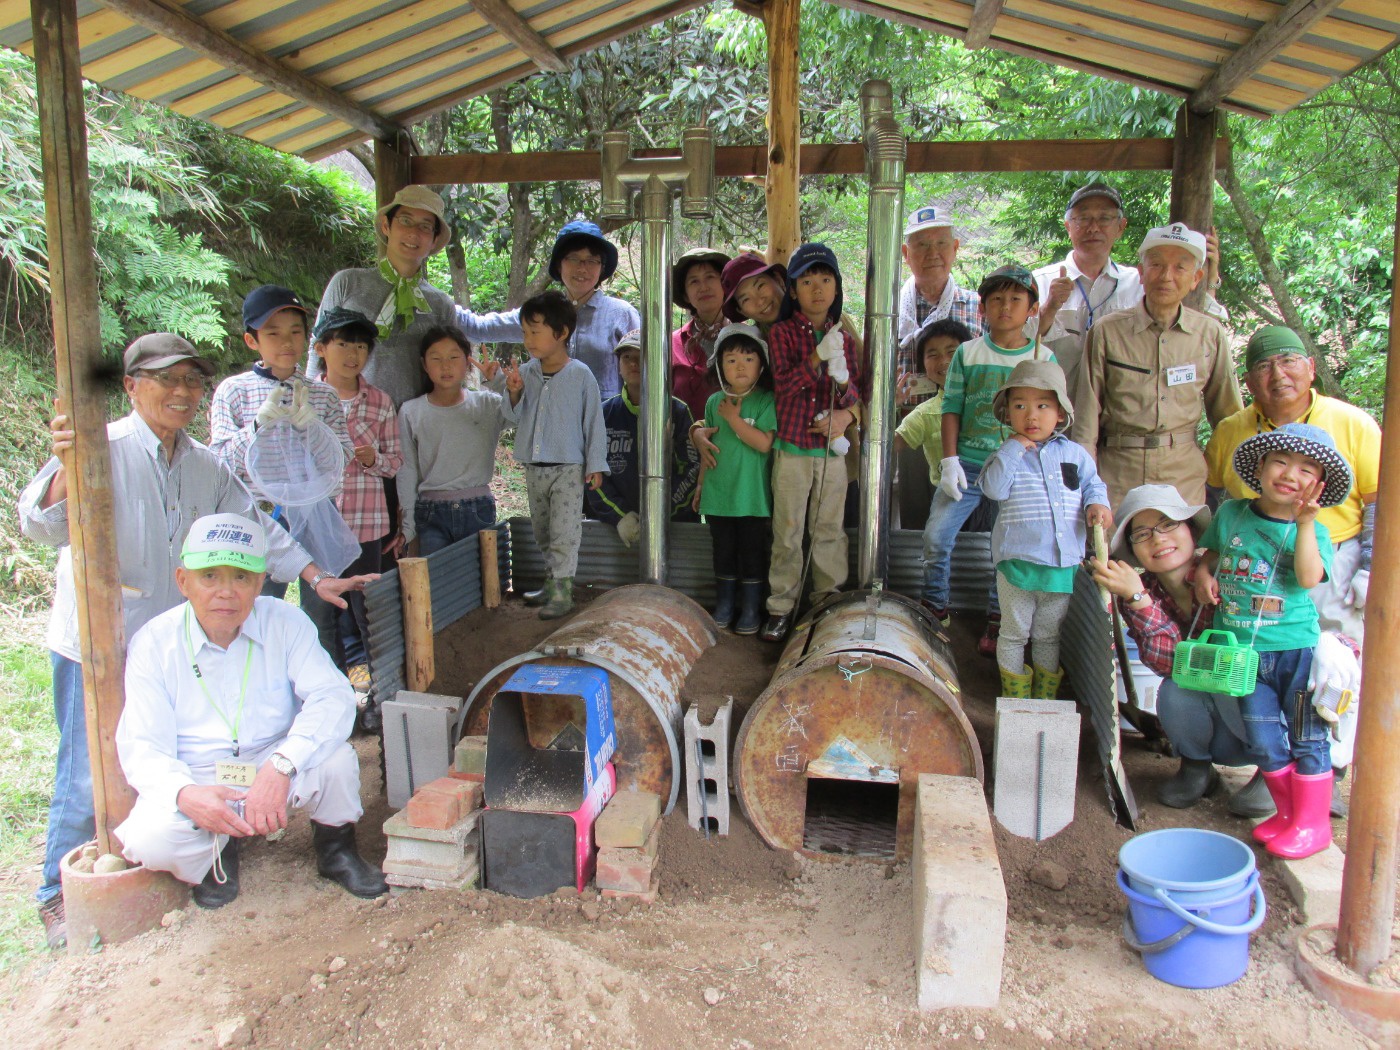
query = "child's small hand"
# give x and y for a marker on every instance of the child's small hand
(488, 368)
(695, 499)
(1026, 443)
(728, 409)
(395, 545)
(366, 455)
(1207, 590)
(1116, 577)
(514, 383)
(594, 480)
(1307, 504)
(1098, 514)
(904, 387)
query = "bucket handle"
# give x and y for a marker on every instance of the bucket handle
(1153, 947)
(1248, 926)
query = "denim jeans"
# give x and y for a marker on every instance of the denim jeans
(442, 522)
(946, 518)
(71, 821)
(1279, 718)
(1204, 725)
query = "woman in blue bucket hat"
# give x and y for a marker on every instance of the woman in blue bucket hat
(581, 260)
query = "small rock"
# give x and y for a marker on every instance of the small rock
(792, 866)
(83, 864)
(336, 965)
(1062, 942)
(90, 851)
(1050, 875)
(155, 981)
(109, 863)
(591, 910)
(290, 999)
(623, 905)
(978, 1032)
(172, 918)
(713, 996)
(233, 1032)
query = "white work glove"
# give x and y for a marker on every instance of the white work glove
(629, 529)
(1335, 677)
(272, 409)
(840, 445)
(832, 345)
(836, 368)
(301, 414)
(952, 480)
(1360, 584)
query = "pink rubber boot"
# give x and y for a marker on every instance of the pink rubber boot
(1280, 785)
(1312, 820)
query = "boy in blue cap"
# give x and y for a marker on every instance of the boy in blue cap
(816, 369)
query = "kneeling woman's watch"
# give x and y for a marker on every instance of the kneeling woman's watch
(282, 764)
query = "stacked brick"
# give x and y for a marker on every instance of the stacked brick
(628, 833)
(434, 842)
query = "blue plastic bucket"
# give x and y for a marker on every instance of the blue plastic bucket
(1192, 932)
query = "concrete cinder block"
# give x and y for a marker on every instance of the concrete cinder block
(959, 896)
(470, 755)
(1315, 884)
(1036, 765)
(628, 819)
(466, 882)
(431, 852)
(711, 769)
(418, 734)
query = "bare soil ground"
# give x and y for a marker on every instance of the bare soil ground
(745, 948)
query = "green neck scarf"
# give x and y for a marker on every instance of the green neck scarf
(405, 300)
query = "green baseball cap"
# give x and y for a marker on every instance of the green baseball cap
(225, 539)
(1270, 341)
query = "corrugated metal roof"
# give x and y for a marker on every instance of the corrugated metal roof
(406, 60)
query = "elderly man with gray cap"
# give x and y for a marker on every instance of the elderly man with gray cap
(396, 295)
(166, 480)
(1148, 374)
(234, 711)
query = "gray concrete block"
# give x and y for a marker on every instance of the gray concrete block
(418, 741)
(431, 853)
(1035, 766)
(466, 882)
(959, 896)
(1314, 883)
(708, 776)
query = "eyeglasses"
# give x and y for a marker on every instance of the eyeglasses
(584, 259)
(1144, 534)
(170, 380)
(1284, 362)
(428, 226)
(1101, 221)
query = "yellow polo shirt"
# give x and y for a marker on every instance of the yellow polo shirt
(1358, 439)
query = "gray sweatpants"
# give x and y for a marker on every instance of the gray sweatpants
(1029, 615)
(556, 511)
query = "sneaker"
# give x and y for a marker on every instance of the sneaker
(359, 677)
(55, 923)
(987, 644)
(939, 614)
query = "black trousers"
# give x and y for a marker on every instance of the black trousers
(740, 546)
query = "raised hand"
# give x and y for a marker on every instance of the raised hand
(1061, 288)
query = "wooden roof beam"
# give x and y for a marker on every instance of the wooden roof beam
(174, 23)
(984, 17)
(503, 18)
(1293, 21)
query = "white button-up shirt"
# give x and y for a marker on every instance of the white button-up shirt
(170, 734)
(155, 504)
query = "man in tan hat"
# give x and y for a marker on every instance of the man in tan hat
(1150, 372)
(166, 480)
(396, 294)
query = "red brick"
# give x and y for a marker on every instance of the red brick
(479, 778)
(647, 896)
(628, 819)
(619, 871)
(442, 803)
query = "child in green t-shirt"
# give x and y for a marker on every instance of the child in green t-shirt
(733, 494)
(1262, 557)
(934, 346)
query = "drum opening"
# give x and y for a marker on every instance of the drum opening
(851, 818)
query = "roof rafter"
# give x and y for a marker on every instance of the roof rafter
(984, 18)
(1292, 22)
(504, 19)
(177, 24)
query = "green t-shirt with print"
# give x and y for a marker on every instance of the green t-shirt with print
(737, 486)
(978, 370)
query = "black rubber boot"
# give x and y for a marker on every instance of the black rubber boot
(1252, 800)
(725, 590)
(337, 860)
(751, 615)
(213, 894)
(1195, 779)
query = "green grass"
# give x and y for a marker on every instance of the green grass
(28, 742)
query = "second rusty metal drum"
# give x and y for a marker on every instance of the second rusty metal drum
(647, 638)
(864, 699)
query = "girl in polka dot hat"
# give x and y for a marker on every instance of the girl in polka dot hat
(1262, 558)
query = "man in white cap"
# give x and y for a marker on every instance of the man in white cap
(396, 295)
(931, 293)
(233, 712)
(1148, 374)
(166, 480)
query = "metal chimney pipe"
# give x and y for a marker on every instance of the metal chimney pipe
(654, 431)
(885, 149)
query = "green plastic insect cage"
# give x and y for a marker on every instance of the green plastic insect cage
(1215, 666)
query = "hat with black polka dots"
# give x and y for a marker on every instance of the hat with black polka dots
(1306, 440)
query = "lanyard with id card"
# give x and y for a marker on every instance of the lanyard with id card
(226, 771)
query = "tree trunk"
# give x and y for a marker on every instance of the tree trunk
(1274, 278)
(524, 233)
(457, 268)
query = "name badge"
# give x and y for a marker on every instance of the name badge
(235, 774)
(1181, 374)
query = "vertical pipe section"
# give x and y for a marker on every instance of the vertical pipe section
(77, 359)
(885, 148)
(1368, 879)
(781, 20)
(655, 428)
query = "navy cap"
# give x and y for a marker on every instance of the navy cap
(338, 318)
(803, 258)
(265, 300)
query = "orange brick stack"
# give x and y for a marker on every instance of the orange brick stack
(629, 845)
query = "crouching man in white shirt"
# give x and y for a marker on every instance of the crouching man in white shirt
(233, 712)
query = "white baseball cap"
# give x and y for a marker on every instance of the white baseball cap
(225, 539)
(929, 217)
(1177, 235)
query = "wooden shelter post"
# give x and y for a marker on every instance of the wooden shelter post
(781, 19)
(1193, 176)
(1368, 879)
(77, 360)
(393, 168)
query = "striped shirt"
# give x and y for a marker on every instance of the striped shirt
(370, 420)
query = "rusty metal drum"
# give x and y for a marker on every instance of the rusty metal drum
(647, 638)
(864, 699)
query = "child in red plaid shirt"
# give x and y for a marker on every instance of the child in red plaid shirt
(815, 375)
(343, 340)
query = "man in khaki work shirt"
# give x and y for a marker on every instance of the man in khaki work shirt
(1148, 373)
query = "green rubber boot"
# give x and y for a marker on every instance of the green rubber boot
(1045, 685)
(561, 599)
(541, 596)
(1016, 686)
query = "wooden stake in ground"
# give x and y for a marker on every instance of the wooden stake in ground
(490, 569)
(419, 665)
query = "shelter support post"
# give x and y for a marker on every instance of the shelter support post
(392, 168)
(884, 162)
(83, 397)
(781, 20)
(1193, 176)
(1368, 880)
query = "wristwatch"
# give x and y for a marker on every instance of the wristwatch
(1137, 597)
(322, 575)
(282, 764)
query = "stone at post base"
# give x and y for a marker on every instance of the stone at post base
(110, 908)
(1371, 1010)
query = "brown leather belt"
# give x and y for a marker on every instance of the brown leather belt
(1171, 440)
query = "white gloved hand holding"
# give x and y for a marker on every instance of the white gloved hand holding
(952, 481)
(832, 345)
(629, 529)
(840, 445)
(836, 368)
(1335, 677)
(1360, 584)
(301, 413)
(272, 409)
